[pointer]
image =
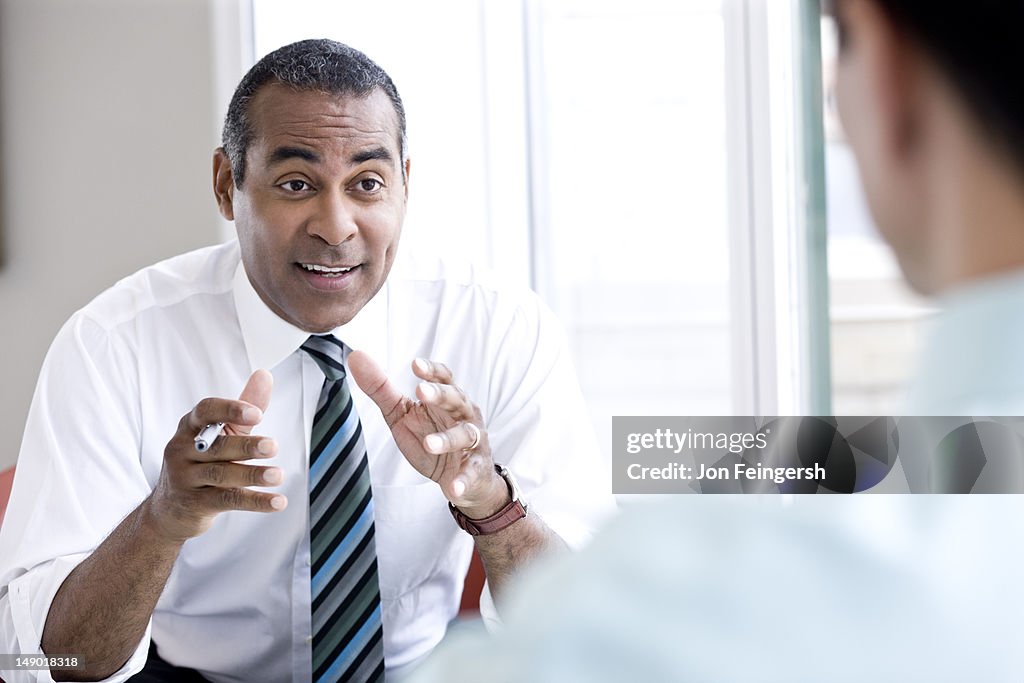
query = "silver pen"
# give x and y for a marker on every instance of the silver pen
(207, 435)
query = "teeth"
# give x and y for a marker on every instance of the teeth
(325, 270)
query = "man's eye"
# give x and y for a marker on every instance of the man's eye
(295, 185)
(370, 185)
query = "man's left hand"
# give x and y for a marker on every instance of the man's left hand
(442, 434)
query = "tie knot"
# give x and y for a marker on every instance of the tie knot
(329, 354)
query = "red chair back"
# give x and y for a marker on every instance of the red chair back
(6, 479)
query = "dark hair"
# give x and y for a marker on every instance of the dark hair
(323, 65)
(978, 45)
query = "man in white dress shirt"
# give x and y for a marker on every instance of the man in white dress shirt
(121, 533)
(841, 588)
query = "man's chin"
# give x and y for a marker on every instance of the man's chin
(918, 277)
(323, 312)
(322, 325)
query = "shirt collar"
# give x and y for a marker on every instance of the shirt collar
(985, 295)
(969, 363)
(269, 339)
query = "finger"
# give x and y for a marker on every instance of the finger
(432, 371)
(214, 410)
(462, 436)
(371, 379)
(447, 397)
(232, 475)
(227, 447)
(256, 392)
(245, 499)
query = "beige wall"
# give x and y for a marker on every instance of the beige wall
(109, 111)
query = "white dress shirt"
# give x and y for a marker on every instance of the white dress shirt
(124, 369)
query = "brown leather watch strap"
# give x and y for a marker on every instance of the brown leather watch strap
(503, 518)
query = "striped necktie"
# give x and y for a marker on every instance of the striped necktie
(347, 630)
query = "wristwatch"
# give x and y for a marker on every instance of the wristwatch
(505, 517)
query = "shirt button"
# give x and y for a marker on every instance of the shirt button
(309, 639)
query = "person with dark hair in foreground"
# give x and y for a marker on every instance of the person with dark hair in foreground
(840, 588)
(310, 529)
(929, 100)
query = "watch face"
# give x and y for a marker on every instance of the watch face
(513, 485)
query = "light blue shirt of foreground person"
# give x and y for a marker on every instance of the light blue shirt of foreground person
(973, 361)
(816, 588)
(829, 588)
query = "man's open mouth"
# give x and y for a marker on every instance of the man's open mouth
(326, 271)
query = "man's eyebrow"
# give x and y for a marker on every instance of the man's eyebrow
(284, 153)
(380, 153)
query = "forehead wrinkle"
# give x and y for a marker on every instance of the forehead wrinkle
(331, 123)
(316, 136)
(296, 139)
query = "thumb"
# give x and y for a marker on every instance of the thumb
(257, 392)
(374, 382)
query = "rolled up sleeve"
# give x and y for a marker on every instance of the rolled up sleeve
(24, 606)
(78, 475)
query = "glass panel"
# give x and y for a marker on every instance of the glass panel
(635, 233)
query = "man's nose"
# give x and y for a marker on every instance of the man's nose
(335, 220)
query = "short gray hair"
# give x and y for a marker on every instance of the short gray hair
(322, 65)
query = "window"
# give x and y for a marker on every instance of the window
(631, 181)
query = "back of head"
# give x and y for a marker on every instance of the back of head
(977, 45)
(322, 65)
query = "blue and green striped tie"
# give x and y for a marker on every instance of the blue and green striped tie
(347, 629)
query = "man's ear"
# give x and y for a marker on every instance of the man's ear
(895, 68)
(408, 167)
(223, 184)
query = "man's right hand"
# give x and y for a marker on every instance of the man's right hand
(195, 487)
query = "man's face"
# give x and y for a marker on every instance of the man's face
(879, 120)
(320, 210)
